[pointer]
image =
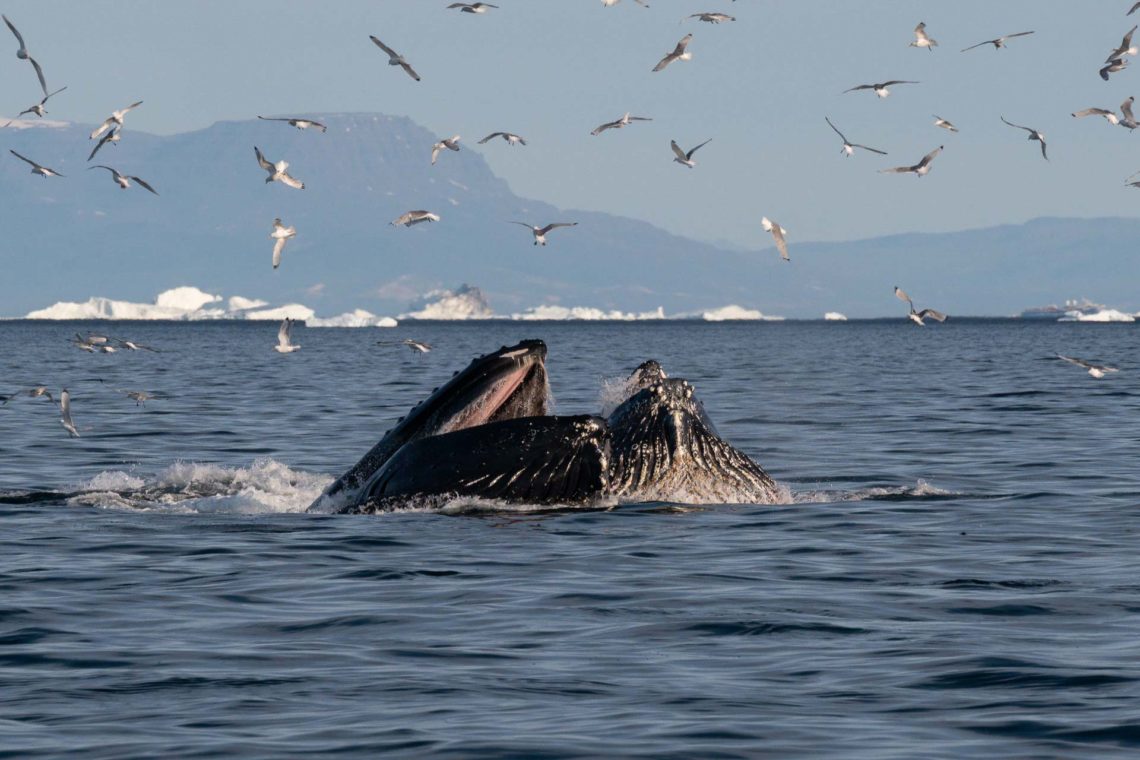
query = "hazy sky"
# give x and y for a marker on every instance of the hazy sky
(552, 70)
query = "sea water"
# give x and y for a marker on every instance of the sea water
(955, 573)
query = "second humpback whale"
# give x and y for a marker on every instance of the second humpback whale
(485, 434)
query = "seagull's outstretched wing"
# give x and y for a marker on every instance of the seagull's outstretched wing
(392, 53)
(20, 38)
(65, 414)
(677, 150)
(143, 183)
(39, 73)
(277, 248)
(689, 155)
(929, 157)
(22, 158)
(932, 314)
(836, 129)
(261, 161)
(556, 225)
(411, 72)
(902, 296)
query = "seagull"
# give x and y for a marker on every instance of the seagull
(472, 7)
(38, 109)
(919, 169)
(123, 180)
(940, 122)
(679, 53)
(998, 43)
(1126, 48)
(116, 118)
(1033, 135)
(140, 397)
(1113, 66)
(1129, 121)
(1132, 9)
(713, 18)
(38, 392)
(540, 233)
(921, 40)
(297, 122)
(277, 171)
(686, 158)
(451, 143)
(130, 345)
(43, 171)
(880, 88)
(848, 146)
(65, 414)
(1096, 370)
(918, 316)
(111, 137)
(416, 345)
(24, 55)
(395, 59)
(624, 121)
(1109, 116)
(280, 234)
(609, 3)
(510, 137)
(778, 233)
(414, 217)
(283, 333)
(91, 343)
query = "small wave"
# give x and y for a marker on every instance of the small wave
(921, 489)
(266, 486)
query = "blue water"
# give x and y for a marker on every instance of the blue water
(956, 574)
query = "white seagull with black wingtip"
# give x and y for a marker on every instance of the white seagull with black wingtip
(921, 40)
(280, 234)
(686, 159)
(296, 122)
(23, 54)
(395, 59)
(284, 335)
(123, 180)
(1096, 370)
(472, 7)
(43, 171)
(920, 169)
(540, 233)
(510, 137)
(116, 118)
(414, 217)
(997, 42)
(38, 109)
(1034, 134)
(848, 146)
(451, 143)
(679, 53)
(624, 121)
(943, 123)
(277, 171)
(778, 233)
(881, 88)
(918, 316)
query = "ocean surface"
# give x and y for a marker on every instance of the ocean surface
(956, 572)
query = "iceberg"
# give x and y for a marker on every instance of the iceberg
(357, 318)
(732, 312)
(585, 313)
(835, 316)
(468, 302)
(1103, 315)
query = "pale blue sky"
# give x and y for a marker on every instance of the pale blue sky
(552, 70)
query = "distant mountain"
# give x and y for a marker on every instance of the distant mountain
(79, 236)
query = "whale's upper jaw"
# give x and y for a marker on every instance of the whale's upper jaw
(503, 384)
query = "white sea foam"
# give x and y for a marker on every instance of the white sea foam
(1103, 315)
(919, 489)
(266, 486)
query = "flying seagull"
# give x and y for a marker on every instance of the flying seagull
(65, 414)
(1109, 116)
(609, 3)
(998, 42)
(1132, 9)
(395, 59)
(918, 316)
(280, 234)
(451, 143)
(23, 54)
(414, 217)
(297, 122)
(140, 397)
(686, 158)
(111, 137)
(38, 109)
(510, 137)
(624, 121)
(472, 7)
(540, 233)
(123, 180)
(1096, 370)
(940, 122)
(43, 171)
(880, 88)
(1113, 66)
(116, 118)
(416, 346)
(1033, 135)
(778, 233)
(921, 40)
(848, 146)
(713, 18)
(277, 171)
(679, 53)
(40, 391)
(1129, 121)
(130, 345)
(284, 346)
(1126, 48)
(919, 169)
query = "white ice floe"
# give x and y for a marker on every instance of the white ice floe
(191, 304)
(835, 316)
(732, 312)
(588, 313)
(467, 302)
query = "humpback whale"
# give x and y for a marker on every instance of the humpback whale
(486, 434)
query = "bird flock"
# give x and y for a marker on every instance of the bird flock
(110, 131)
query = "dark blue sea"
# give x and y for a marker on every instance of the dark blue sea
(956, 572)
